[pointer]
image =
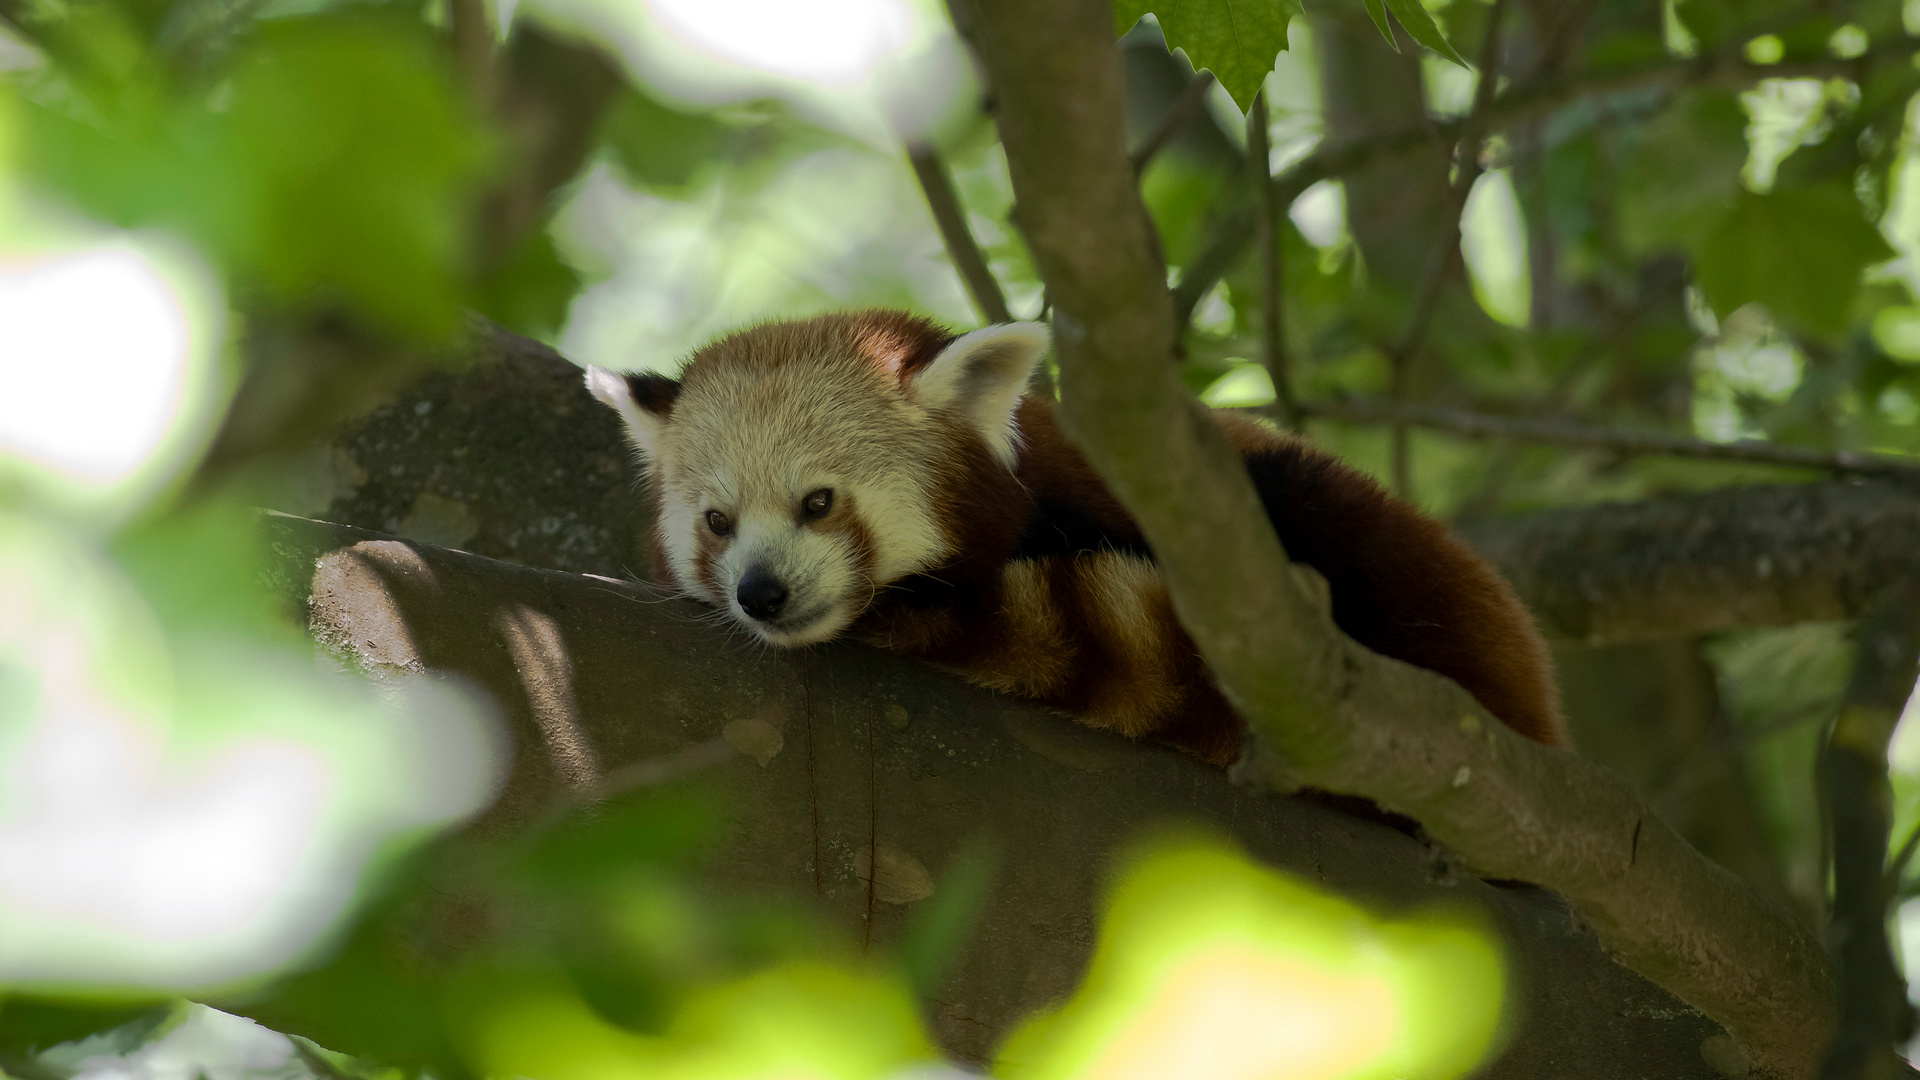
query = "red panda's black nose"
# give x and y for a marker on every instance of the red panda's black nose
(761, 595)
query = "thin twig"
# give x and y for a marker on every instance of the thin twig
(470, 29)
(1233, 233)
(1562, 433)
(952, 221)
(1172, 121)
(1273, 341)
(1446, 251)
(1874, 1013)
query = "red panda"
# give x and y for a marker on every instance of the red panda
(871, 475)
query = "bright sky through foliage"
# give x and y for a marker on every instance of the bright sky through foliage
(836, 44)
(106, 353)
(881, 70)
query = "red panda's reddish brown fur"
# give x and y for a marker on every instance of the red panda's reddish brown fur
(1049, 590)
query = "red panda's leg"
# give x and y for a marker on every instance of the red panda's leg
(1093, 635)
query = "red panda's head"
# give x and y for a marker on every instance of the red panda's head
(799, 467)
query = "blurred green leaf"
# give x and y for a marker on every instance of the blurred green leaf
(604, 842)
(1237, 40)
(1681, 171)
(361, 157)
(530, 292)
(1799, 252)
(657, 145)
(1716, 21)
(29, 1023)
(1183, 195)
(940, 928)
(336, 159)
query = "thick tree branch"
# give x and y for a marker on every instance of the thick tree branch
(1563, 433)
(1325, 712)
(833, 752)
(951, 217)
(1734, 558)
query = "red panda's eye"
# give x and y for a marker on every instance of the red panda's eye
(721, 524)
(817, 503)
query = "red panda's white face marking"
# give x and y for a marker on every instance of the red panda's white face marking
(796, 469)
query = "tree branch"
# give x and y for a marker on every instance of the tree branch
(1323, 711)
(793, 738)
(1519, 104)
(1273, 339)
(1563, 433)
(1172, 121)
(1728, 559)
(1446, 250)
(952, 220)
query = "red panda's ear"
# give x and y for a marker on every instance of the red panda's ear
(643, 399)
(981, 376)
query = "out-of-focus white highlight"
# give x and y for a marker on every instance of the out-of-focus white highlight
(96, 352)
(182, 812)
(836, 226)
(106, 353)
(1493, 240)
(1320, 213)
(837, 44)
(1903, 750)
(881, 70)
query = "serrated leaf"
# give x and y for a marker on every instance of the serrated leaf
(1237, 40)
(1378, 11)
(1419, 25)
(1799, 252)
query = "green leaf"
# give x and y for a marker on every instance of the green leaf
(362, 159)
(1799, 252)
(339, 160)
(659, 146)
(1237, 40)
(1681, 173)
(29, 1024)
(1413, 17)
(530, 292)
(1378, 11)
